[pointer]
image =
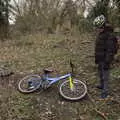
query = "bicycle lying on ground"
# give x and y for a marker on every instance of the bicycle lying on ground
(71, 89)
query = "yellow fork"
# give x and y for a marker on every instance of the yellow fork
(71, 83)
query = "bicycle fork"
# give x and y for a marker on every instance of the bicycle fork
(71, 83)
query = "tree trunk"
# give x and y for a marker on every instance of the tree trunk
(4, 19)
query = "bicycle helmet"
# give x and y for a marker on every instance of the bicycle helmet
(99, 21)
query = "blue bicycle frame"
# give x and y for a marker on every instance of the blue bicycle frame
(54, 80)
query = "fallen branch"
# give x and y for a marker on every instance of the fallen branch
(100, 113)
(95, 108)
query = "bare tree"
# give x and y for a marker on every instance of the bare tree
(4, 17)
(48, 14)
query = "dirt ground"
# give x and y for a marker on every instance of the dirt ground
(49, 105)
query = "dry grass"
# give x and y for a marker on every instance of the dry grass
(32, 53)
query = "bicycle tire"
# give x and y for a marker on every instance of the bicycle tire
(24, 89)
(80, 90)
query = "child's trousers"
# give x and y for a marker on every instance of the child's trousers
(104, 76)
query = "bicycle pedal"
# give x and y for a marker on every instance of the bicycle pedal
(31, 87)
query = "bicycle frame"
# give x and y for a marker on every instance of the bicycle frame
(54, 80)
(32, 83)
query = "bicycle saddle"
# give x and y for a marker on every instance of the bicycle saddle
(47, 70)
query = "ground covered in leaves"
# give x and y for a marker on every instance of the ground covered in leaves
(31, 54)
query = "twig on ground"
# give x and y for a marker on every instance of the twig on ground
(118, 102)
(100, 113)
(115, 99)
(80, 117)
(95, 108)
(91, 99)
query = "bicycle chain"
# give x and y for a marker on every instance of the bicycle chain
(45, 84)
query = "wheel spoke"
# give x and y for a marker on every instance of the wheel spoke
(79, 90)
(29, 83)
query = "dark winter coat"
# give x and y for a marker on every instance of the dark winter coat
(105, 47)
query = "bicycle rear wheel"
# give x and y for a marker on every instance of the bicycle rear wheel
(29, 83)
(78, 92)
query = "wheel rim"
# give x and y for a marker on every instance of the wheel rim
(77, 83)
(23, 84)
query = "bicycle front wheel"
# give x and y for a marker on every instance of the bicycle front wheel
(29, 83)
(78, 92)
